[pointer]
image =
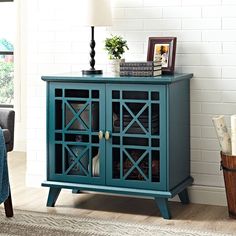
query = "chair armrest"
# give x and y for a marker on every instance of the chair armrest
(7, 121)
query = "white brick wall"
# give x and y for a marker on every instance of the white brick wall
(206, 32)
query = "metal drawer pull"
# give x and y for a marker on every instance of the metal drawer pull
(100, 135)
(107, 135)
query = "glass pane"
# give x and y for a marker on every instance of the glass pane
(95, 162)
(58, 114)
(7, 21)
(58, 158)
(137, 95)
(77, 115)
(155, 119)
(155, 166)
(116, 117)
(138, 172)
(6, 79)
(132, 111)
(7, 37)
(116, 163)
(77, 160)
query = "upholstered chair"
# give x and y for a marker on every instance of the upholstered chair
(7, 122)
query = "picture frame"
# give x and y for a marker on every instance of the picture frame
(163, 48)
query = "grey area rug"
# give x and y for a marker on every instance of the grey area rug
(27, 223)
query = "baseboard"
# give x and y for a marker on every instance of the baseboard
(20, 146)
(34, 181)
(206, 195)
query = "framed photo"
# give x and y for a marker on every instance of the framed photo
(164, 49)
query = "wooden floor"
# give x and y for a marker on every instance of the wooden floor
(127, 209)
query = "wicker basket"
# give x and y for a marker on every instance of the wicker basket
(228, 164)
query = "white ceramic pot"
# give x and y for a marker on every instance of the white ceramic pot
(114, 66)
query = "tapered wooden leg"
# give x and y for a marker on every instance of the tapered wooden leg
(52, 196)
(183, 196)
(75, 191)
(162, 203)
(8, 206)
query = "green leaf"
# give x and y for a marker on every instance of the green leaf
(115, 46)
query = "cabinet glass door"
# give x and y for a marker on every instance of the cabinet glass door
(136, 148)
(77, 114)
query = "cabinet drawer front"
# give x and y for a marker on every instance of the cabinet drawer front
(76, 114)
(136, 149)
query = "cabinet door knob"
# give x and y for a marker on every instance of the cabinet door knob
(100, 135)
(107, 135)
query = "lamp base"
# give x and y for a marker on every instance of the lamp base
(91, 72)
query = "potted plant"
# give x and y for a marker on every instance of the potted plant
(115, 47)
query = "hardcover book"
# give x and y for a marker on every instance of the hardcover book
(140, 73)
(140, 68)
(141, 63)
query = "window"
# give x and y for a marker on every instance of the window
(7, 37)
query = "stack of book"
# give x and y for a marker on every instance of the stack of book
(146, 68)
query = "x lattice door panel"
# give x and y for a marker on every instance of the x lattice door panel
(136, 150)
(75, 121)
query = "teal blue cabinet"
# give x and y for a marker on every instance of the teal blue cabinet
(120, 135)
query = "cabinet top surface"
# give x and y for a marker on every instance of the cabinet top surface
(78, 78)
